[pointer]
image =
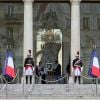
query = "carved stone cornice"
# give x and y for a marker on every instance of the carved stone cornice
(75, 1)
(28, 1)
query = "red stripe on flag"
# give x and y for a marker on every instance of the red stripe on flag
(10, 71)
(95, 71)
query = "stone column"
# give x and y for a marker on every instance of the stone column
(75, 29)
(28, 28)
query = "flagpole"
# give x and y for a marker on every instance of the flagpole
(96, 85)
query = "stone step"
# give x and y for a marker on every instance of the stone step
(49, 90)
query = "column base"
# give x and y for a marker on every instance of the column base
(71, 80)
(23, 80)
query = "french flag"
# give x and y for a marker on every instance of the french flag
(9, 65)
(94, 69)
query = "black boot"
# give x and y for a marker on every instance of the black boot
(75, 79)
(31, 79)
(79, 79)
(26, 79)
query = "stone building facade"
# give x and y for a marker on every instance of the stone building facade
(59, 16)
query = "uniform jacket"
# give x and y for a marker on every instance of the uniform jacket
(77, 63)
(29, 61)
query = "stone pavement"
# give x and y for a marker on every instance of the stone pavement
(50, 91)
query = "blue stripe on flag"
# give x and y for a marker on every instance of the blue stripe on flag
(5, 63)
(91, 62)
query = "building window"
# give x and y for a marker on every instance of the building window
(86, 23)
(10, 11)
(9, 35)
(98, 23)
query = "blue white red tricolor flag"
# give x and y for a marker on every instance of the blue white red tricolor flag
(94, 68)
(9, 69)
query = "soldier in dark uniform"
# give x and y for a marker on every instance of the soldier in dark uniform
(77, 64)
(28, 65)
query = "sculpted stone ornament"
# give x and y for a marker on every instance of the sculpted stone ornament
(50, 52)
(51, 47)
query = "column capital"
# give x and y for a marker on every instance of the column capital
(28, 1)
(75, 1)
